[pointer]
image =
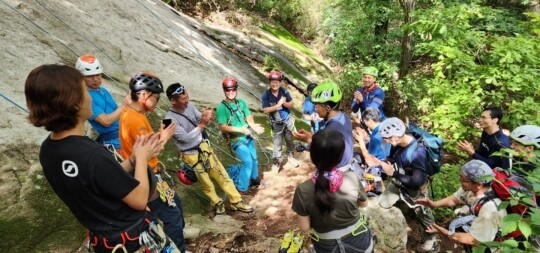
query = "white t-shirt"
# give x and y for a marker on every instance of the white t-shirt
(489, 220)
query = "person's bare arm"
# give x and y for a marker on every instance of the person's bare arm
(108, 119)
(303, 223)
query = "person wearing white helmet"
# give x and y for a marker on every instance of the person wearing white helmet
(105, 112)
(409, 178)
(524, 140)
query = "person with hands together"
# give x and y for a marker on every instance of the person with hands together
(236, 123)
(145, 90)
(100, 192)
(195, 150)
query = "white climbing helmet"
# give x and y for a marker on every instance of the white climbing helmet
(392, 127)
(528, 135)
(88, 65)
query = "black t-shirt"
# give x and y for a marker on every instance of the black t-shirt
(90, 182)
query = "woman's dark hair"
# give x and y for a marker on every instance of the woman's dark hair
(326, 150)
(54, 94)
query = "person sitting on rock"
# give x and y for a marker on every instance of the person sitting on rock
(196, 152)
(328, 202)
(475, 178)
(409, 178)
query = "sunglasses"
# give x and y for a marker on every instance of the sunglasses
(179, 90)
(230, 89)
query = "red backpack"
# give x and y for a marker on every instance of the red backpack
(504, 184)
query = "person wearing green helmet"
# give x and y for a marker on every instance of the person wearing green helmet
(327, 97)
(370, 94)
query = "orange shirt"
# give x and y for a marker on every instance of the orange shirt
(133, 124)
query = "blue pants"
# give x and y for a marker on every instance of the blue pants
(246, 151)
(173, 220)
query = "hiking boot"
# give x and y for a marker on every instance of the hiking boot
(191, 233)
(286, 241)
(292, 161)
(296, 244)
(242, 207)
(431, 245)
(276, 165)
(219, 208)
(255, 182)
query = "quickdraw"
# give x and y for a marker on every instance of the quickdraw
(166, 194)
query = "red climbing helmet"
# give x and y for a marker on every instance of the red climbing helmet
(186, 175)
(275, 75)
(229, 82)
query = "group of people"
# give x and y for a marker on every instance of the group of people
(325, 203)
(127, 203)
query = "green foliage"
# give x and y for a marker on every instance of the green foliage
(445, 184)
(476, 62)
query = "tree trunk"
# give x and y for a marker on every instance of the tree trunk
(406, 41)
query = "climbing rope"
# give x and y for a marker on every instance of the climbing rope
(13, 102)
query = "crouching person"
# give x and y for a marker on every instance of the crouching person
(196, 152)
(480, 220)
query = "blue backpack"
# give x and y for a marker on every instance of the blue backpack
(433, 145)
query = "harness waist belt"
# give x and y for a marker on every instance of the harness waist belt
(339, 233)
(109, 136)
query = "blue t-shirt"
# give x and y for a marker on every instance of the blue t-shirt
(308, 108)
(103, 103)
(373, 99)
(377, 146)
(490, 144)
(268, 99)
(342, 124)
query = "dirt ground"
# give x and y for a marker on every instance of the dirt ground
(273, 217)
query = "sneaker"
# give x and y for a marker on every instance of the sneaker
(286, 241)
(292, 161)
(296, 244)
(219, 207)
(431, 245)
(242, 207)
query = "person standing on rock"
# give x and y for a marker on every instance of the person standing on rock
(236, 123)
(106, 197)
(409, 178)
(196, 152)
(145, 90)
(105, 112)
(277, 103)
(328, 202)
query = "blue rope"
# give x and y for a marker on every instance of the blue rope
(13, 102)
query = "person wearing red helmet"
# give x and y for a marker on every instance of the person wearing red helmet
(237, 123)
(195, 150)
(277, 103)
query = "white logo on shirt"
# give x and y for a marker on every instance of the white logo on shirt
(70, 169)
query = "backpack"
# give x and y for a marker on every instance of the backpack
(504, 184)
(433, 145)
(490, 196)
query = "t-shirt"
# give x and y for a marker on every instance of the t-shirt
(102, 103)
(345, 211)
(236, 118)
(489, 219)
(342, 124)
(490, 144)
(373, 98)
(268, 99)
(90, 182)
(412, 174)
(187, 135)
(132, 125)
(377, 146)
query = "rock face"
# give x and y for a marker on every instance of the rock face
(388, 225)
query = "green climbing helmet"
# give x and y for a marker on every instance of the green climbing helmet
(326, 92)
(372, 71)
